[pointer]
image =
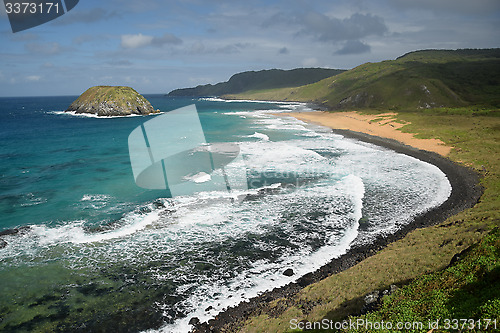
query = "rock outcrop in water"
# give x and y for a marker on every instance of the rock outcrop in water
(109, 101)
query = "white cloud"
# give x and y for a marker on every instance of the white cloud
(135, 41)
(33, 78)
(140, 40)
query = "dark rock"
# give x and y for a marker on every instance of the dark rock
(158, 204)
(108, 101)
(15, 231)
(2, 243)
(23, 230)
(261, 193)
(288, 272)
(9, 232)
(209, 308)
(194, 321)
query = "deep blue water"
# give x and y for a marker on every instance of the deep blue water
(98, 241)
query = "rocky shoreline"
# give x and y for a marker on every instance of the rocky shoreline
(466, 192)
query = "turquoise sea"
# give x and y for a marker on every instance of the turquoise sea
(95, 252)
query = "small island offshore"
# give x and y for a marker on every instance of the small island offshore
(111, 101)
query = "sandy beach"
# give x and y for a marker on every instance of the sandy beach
(381, 125)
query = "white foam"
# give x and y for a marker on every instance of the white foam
(264, 156)
(75, 233)
(258, 135)
(270, 121)
(265, 275)
(200, 177)
(212, 99)
(217, 99)
(422, 185)
(296, 107)
(243, 114)
(95, 197)
(254, 113)
(90, 115)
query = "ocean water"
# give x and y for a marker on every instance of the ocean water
(95, 251)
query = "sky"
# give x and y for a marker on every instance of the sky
(156, 46)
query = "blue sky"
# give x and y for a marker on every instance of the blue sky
(156, 46)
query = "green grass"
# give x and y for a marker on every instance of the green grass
(419, 80)
(469, 289)
(418, 263)
(119, 95)
(124, 99)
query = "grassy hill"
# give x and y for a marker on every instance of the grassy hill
(258, 80)
(417, 80)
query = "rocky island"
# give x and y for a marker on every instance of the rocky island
(106, 101)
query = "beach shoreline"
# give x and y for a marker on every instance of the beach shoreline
(381, 125)
(465, 193)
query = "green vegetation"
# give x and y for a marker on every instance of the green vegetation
(469, 289)
(430, 288)
(265, 79)
(417, 80)
(111, 101)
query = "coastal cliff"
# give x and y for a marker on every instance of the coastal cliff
(106, 101)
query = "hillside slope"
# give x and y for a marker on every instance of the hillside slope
(421, 79)
(256, 80)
